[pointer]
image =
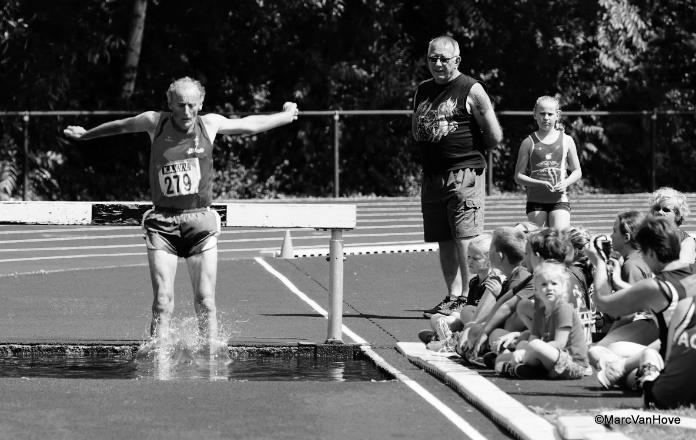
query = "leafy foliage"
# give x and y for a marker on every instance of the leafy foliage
(253, 55)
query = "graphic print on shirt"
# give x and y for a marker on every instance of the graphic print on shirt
(547, 169)
(435, 123)
(195, 149)
(180, 177)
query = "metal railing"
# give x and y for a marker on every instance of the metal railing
(336, 116)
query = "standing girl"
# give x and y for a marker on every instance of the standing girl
(543, 161)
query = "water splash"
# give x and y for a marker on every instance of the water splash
(183, 353)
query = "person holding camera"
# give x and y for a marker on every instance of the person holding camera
(631, 333)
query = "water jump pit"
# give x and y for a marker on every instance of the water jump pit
(238, 362)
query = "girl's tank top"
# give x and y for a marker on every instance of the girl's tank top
(547, 162)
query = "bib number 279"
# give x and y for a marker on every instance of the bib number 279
(180, 178)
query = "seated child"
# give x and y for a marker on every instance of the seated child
(516, 311)
(484, 289)
(507, 255)
(556, 347)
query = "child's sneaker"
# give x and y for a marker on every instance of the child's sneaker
(426, 336)
(489, 359)
(442, 330)
(597, 352)
(611, 370)
(647, 373)
(476, 361)
(526, 371)
(445, 346)
(505, 368)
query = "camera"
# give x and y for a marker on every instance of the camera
(602, 245)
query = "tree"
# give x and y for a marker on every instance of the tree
(252, 55)
(135, 41)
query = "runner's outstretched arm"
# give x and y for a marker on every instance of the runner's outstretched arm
(255, 123)
(143, 122)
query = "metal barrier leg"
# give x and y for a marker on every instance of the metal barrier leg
(336, 287)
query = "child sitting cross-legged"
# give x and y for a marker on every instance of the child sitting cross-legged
(556, 347)
(484, 289)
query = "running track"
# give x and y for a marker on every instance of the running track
(58, 278)
(384, 225)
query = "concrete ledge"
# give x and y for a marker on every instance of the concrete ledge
(128, 349)
(491, 400)
(584, 427)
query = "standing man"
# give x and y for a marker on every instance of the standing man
(453, 124)
(181, 223)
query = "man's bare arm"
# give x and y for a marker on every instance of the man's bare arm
(483, 112)
(146, 122)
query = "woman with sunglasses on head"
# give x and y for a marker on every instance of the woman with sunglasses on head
(671, 204)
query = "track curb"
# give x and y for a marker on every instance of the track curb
(496, 404)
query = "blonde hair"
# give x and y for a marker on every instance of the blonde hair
(551, 268)
(552, 100)
(184, 82)
(677, 198)
(527, 227)
(482, 242)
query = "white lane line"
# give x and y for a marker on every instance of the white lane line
(82, 237)
(277, 236)
(85, 268)
(227, 230)
(64, 257)
(305, 298)
(72, 248)
(64, 229)
(495, 403)
(240, 240)
(446, 411)
(317, 251)
(72, 269)
(462, 424)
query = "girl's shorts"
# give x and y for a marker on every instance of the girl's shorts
(547, 207)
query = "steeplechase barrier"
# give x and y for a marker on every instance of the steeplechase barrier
(333, 217)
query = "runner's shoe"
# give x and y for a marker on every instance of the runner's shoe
(443, 308)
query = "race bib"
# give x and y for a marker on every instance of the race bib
(180, 178)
